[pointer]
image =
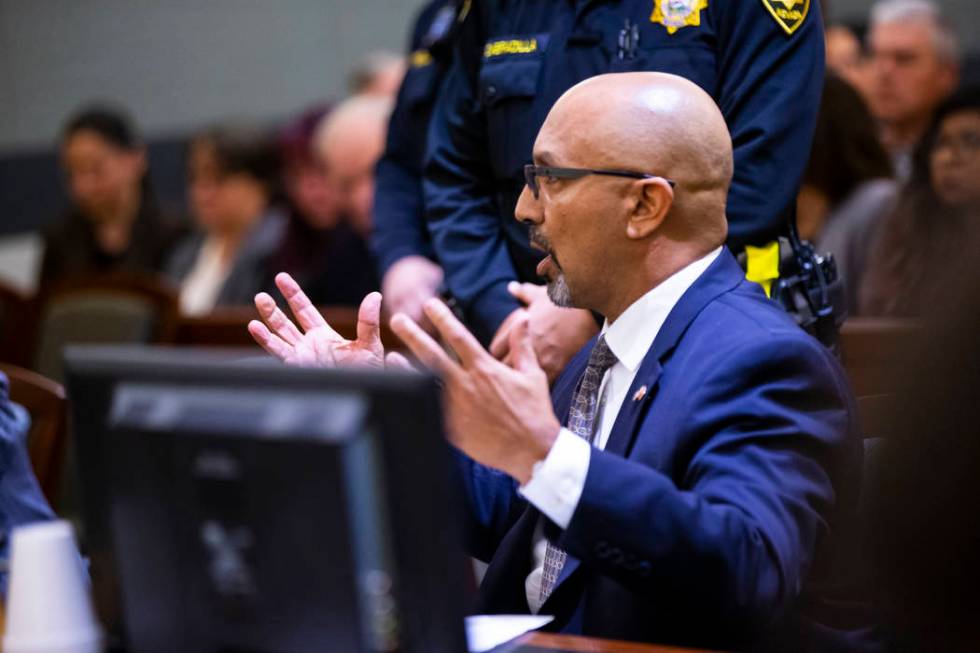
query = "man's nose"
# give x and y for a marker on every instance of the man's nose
(528, 209)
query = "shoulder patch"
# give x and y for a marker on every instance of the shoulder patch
(788, 14)
(675, 14)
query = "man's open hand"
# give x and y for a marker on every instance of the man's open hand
(313, 343)
(499, 415)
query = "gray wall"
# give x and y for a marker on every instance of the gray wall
(179, 63)
(964, 14)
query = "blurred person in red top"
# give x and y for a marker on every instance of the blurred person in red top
(321, 249)
(914, 66)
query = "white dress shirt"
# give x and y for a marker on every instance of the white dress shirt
(557, 481)
(199, 290)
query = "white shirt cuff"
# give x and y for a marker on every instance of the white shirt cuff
(557, 481)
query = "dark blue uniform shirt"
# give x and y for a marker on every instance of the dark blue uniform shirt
(761, 60)
(399, 219)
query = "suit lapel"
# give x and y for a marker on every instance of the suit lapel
(722, 275)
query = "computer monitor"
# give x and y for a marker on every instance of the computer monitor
(251, 506)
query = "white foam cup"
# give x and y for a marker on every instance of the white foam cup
(49, 609)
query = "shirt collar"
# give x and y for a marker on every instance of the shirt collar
(632, 334)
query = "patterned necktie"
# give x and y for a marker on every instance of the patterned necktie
(581, 422)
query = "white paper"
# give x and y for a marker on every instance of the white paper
(485, 631)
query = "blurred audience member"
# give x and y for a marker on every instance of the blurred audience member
(937, 211)
(847, 186)
(234, 182)
(312, 193)
(320, 249)
(377, 73)
(914, 67)
(349, 142)
(846, 57)
(114, 223)
(924, 522)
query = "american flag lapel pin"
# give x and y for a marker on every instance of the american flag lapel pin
(640, 394)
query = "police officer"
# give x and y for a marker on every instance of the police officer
(401, 239)
(762, 61)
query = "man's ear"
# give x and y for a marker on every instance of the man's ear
(653, 202)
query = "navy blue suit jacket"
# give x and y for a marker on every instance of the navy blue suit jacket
(720, 512)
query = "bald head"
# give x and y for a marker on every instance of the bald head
(656, 123)
(609, 238)
(349, 141)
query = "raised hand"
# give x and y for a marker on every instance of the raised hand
(313, 343)
(498, 414)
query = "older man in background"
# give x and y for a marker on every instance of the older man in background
(349, 141)
(914, 67)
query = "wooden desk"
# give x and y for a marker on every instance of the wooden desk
(549, 643)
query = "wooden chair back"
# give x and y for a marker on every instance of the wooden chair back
(18, 316)
(228, 327)
(873, 352)
(102, 309)
(45, 400)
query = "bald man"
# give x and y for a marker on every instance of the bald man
(692, 477)
(349, 141)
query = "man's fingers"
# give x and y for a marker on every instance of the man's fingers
(500, 344)
(276, 319)
(423, 346)
(524, 358)
(394, 360)
(269, 341)
(526, 293)
(304, 310)
(466, 346)
(369, 321)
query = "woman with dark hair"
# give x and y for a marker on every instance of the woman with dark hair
(114, 223)
(847, 186)
(234, 190)
(938, 210)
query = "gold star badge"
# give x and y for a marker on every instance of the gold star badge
(675, 14)
(789, 14)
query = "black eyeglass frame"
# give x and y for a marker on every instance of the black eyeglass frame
(532, 172)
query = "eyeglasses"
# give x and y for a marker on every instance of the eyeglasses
(532, 172)
(963, 145)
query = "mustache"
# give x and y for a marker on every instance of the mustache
(538, 240)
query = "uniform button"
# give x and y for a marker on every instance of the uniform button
(491, 91)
